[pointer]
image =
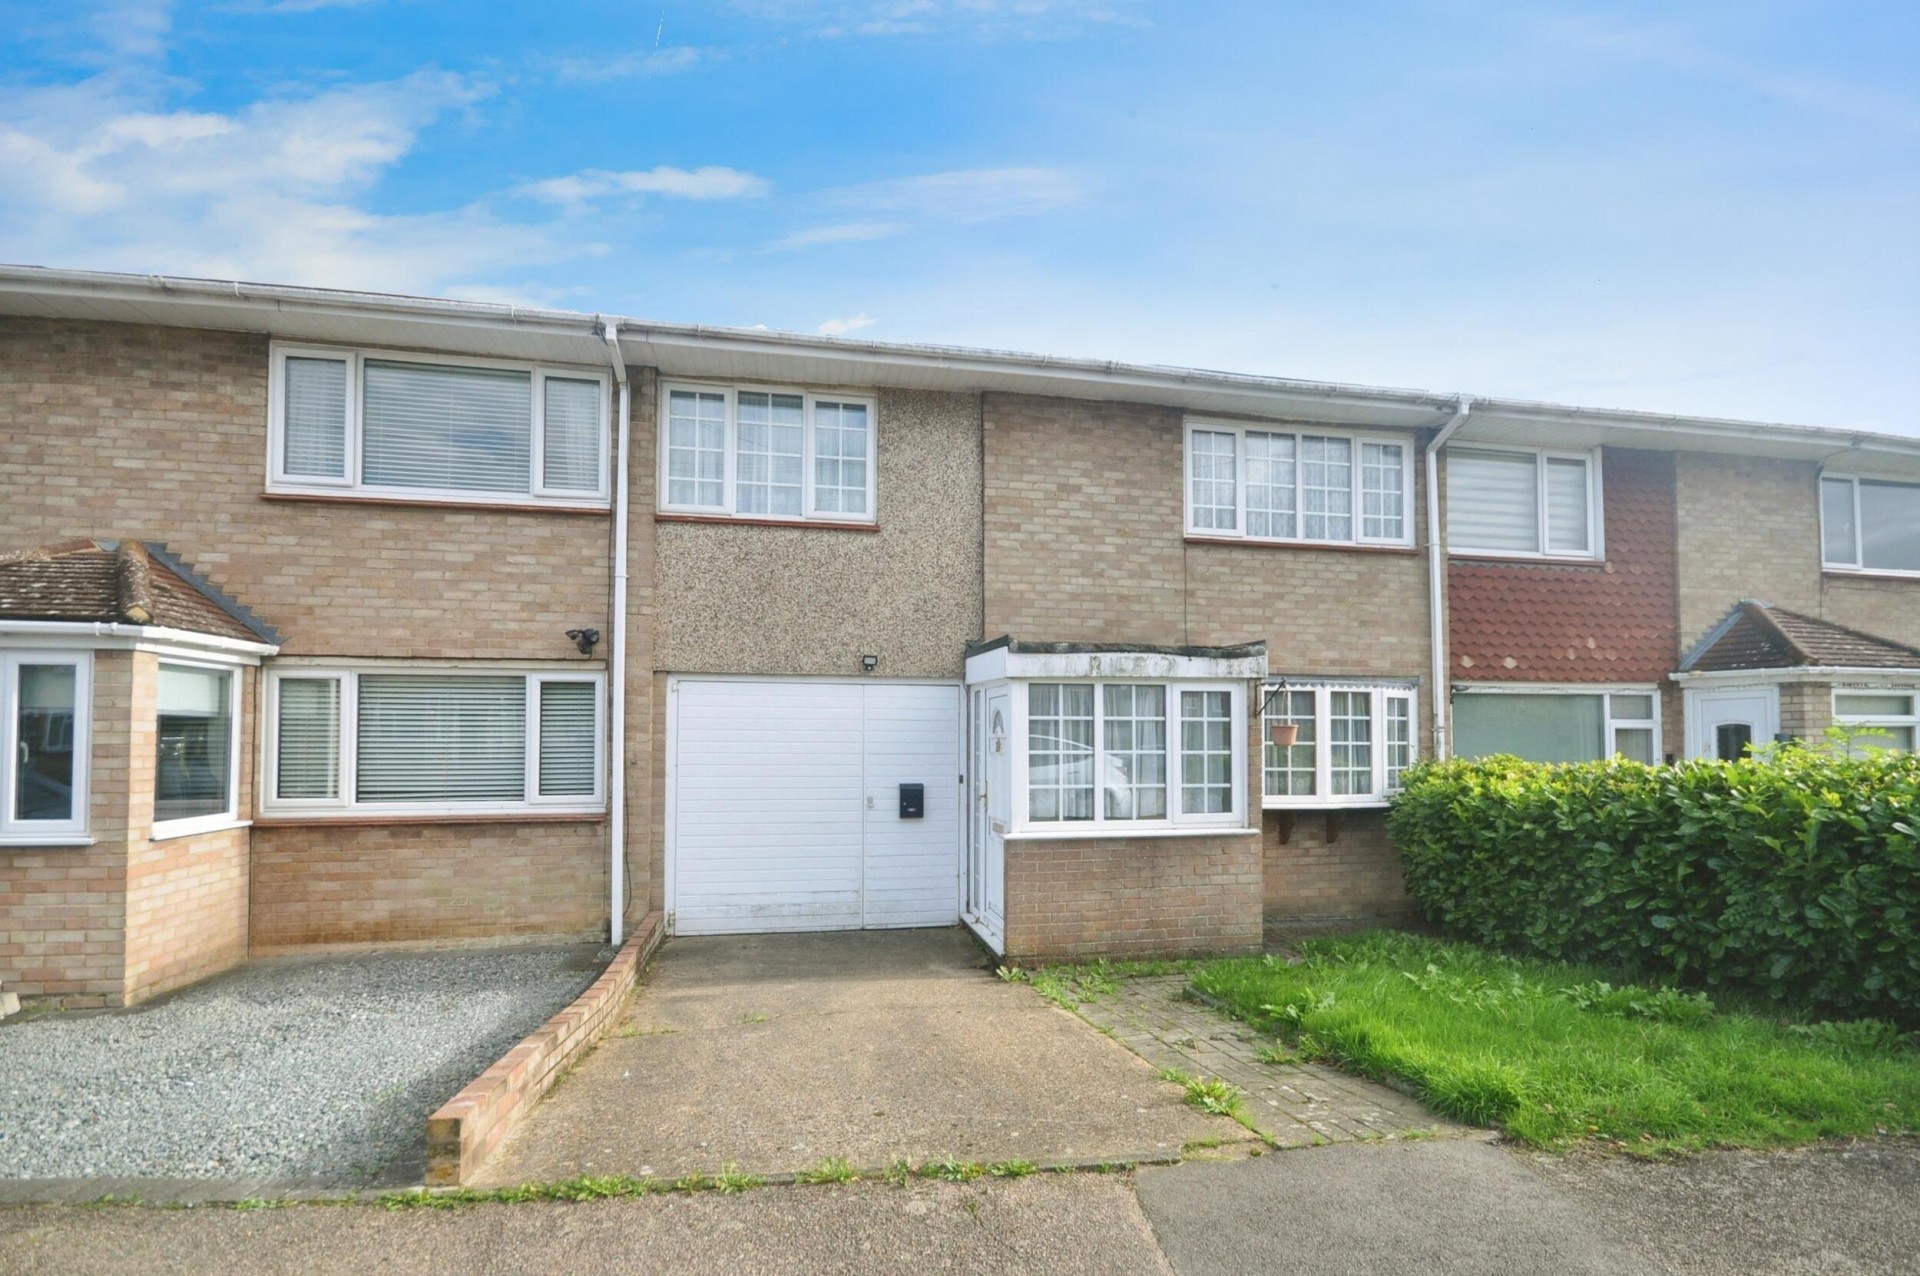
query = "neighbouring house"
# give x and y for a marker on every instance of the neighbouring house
(528, 623)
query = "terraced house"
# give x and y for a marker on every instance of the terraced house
(331, 620)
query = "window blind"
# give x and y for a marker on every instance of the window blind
(429, 738)
(315, 443)
(307, 763)
(1493, 501)
(1539, 728)
(1568, 509)
(570, 435)
(193, 737)
(1836, 522)
(458, 429)
(567, 739)
(1890, 526)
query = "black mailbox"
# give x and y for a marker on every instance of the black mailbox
(913, 801)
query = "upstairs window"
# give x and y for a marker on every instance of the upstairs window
(373, 424)
(1352, 742)
(732, 452)
(1523, 504)
(1295, 486)
(1869, 525)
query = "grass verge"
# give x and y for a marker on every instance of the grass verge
(1553, 1054)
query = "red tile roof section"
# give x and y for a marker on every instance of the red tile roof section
(112, 582)
(1758, 635)
(1618, 621)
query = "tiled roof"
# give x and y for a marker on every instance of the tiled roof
(123, 582)
(1757, 635)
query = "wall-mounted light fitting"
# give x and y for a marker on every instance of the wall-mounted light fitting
(869, 663)
(584, 639)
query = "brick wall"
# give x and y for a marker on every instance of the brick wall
(1614, 621)
(1806, 709)
(1326, 864)
(1124, 897)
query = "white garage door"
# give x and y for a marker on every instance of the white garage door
(784, 805)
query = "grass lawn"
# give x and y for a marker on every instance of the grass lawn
(1553, 1054)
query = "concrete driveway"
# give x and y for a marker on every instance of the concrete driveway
(774, 1052)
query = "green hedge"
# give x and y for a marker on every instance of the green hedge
(1796, 875)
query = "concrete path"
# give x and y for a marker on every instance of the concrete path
(1294, 1104)
(774, 1052)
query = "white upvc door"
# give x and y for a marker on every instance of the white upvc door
(991, 814)
(1723, 721)
(783, 804)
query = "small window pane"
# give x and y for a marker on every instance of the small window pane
(1211, 479)
(840, 458)
(1635, 743)
(1836, 522)
(1399, 739)
(1890, 526)
(1291, 772)
(1271, 477)
(1898, 738)
(697, 449)
(567, 738)
(1059, 751)
(44, 742)
(1134, 775)
(771, 458)
(307, 763)
(1730, 740)
(1206, 752)
(1873, 705)
(1633, 708)
(1350, 741)
(1568, 509)
(193, 767)
(1326, 488)
(315, 411)
(1383, 479)
(451, 428)
(570, 442)
(1493, 501)
(1539, 728)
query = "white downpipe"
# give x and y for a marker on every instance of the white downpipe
(1436, 577)
(617, 755)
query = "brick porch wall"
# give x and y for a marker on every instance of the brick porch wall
(1311, 875)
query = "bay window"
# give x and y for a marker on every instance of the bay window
(787, 455)
(1308, 487)
(1523, 504)
(400, 740)
(1352, 742)
(196, 773)
(1133, 755)
(370, 423)
(1878, 719)
(1542, 724)
(44, 710)
(1869, 525)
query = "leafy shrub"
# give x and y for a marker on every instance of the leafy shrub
(1795, 874)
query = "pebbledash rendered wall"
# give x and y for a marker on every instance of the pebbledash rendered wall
(1085, 541)
(114, 430)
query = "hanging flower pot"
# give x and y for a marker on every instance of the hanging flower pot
(1284, 734)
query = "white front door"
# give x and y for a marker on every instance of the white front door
(784, 804)
(992, 810)
(1723, 722)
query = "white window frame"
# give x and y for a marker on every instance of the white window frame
(1100, 825)
(1859, 564)
(73, 830)
(1596, 523)
(345, 802)
(728, 508)
(537, 493)
(229, 817)
(1238, 531)
(1879, 721)
(1611, 722)
(1323, 797)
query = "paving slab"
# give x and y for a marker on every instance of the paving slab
(774, 1052)
(1440, 1207)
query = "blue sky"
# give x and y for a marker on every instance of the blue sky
(1707, 208)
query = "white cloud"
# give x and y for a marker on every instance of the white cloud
(846, 326)
(849, 233)
(639, 62)
(709, 182)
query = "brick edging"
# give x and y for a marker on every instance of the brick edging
(473, 1122)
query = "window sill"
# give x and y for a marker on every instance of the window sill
(348, 497)
(1868, 573)
(309, 819)
(1527, 560)
(51, 842)
(1248, 542)
(814, 524)
(196, 828)
(1112, 833)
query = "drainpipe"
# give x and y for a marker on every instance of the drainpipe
(617, 755)
(1436, 576)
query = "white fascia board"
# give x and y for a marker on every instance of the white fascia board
(1802, 673)
(1155, 666)
(988, 666)
(104, 635)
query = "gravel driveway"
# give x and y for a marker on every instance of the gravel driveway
(312, 1068)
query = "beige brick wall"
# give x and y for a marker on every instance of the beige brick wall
(1749, 527)
(1132, 897)
(1332, 865)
